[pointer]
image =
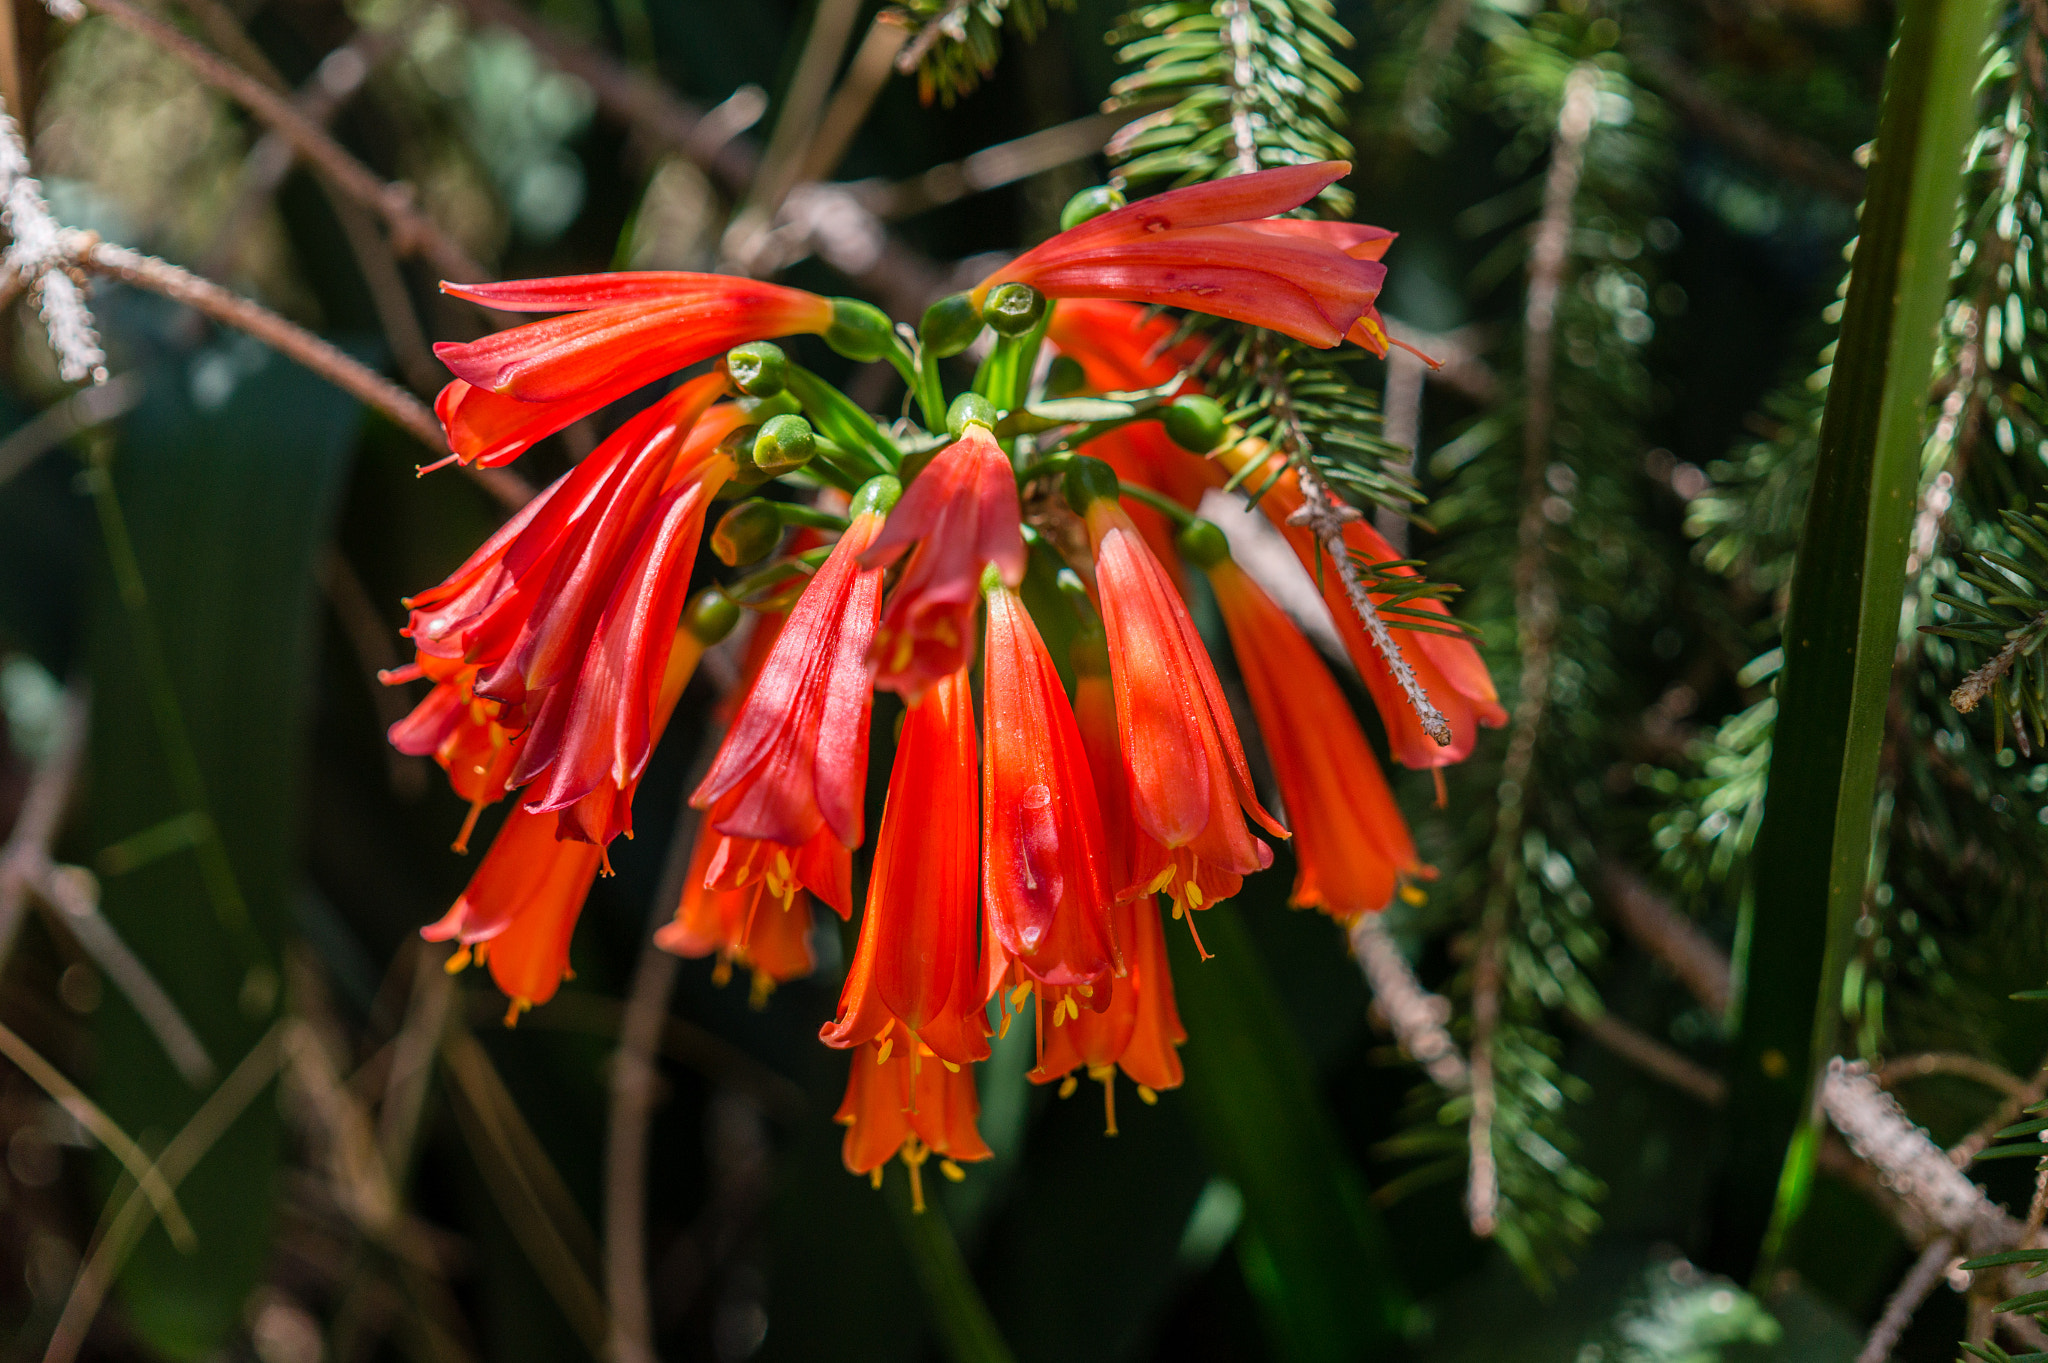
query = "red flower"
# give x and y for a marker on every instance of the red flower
(1448, 667)
(621, 331)
(1044, 894)
(460, 731)
(797, 757)
(1182, 758)
(1360, 243)
(1202, 248)
(902, 1102)
(1350, 841)
(915, 965)
(763, 924)
(962, 514)
(568, 613)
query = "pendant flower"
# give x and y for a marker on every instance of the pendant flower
(900, 1101)
(961, 514)
(1351, 844)
(619, 332)
(1204, 248)
(1045, 897)
(914, 968)
(796, 759)
(763, 925)
(1184, 763)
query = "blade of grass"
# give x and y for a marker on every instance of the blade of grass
(960, 1316)
(1813, 850)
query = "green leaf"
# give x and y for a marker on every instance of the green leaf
(223, 484)
(1812, 852)
(1315, 1253)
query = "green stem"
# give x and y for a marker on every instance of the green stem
(1161, 503)
(930, 390)
(1043, 468)
(962, 1318)
(1812, 853)
(840, 419)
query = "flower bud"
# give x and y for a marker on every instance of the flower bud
(1089, 203)
(1203, 544)
(950, 325)
(859, 331)
(758, 368)
(1090, 481)
(1013, 309)
(1194, 422)
(969, 409)
(876, 497)
(785, 443)
(748, 532)
(1064, 375)
(711, 616)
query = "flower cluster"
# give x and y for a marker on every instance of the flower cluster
(1027, 839)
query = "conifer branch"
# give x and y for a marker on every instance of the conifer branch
(32, 255)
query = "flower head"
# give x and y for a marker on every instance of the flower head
(1350, 841)
(796, 758)
(915, 964)
(901, 1101)
(961, 514)
(1205, 248)
(618, 333)
(1045, 897)
(1184, 764)
(762, 923)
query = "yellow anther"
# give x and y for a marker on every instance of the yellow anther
(1068, 1085)
(882, 1051)
(1194, 895)
(1147, 1096)
(1160, 881)
(1019, 994)
(951, 1068)
(759, 990)
(455, 964)
(514, 1009)
(721, 973)
(1414, 894)
(953, 1172)
(875, 1177)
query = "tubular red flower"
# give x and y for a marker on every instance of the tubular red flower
(460, 731)
(1448, 667)
(1201, 248)
(900, 1101)
(796, 759)
(1350, 842)
(1045, 898)
(1183, 761)
(962, 515)
(619, 331)
(763, 924)
(915, 964)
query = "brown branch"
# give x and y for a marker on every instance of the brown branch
(1655, 1058)
(1669, 936)
(1415, 1015)
(294, 342)
(1922, 1278)
(411, 230)
(1908, 1067)
(2015, 1104)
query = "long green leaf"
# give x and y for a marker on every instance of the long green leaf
(1316, 1254)
(1813, 850)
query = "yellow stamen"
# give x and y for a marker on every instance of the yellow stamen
(1147, 1096)
(1108, 1102)
(1160, 881)
(1019, 994)
(915, 1153)
(875, 1178)
(461, 844)
(514, 1009)
(953, 1172)
(1194, 895)
(1068, 1085)
(882, 1051)
(455, 964)
(759, 990)
(1443, 797)
(951, 1068)
(721, 973)
(1414, 895)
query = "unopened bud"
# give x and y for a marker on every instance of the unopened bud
(1089, 203)
(859, 331)
(1090, 481)
(1013, 309)
(748, 532)
(711, 616)
(785, 443)
(969, 409)
(950, 325)
(876, 497)
(1194, 422)
(759, 368)
(1203, 544)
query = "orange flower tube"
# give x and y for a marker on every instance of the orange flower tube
(915, 964)
(900, 1102)
(1044, 894)
(763, 924)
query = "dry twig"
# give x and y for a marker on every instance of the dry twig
(1415, 1015)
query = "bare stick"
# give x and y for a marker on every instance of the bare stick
(1906, 1067)
(295, 342)
(1669, 936)
(2032, 1091)
(1415, 1015)
(42, 813)
(411, 230)
(1912, 1166)
(1921, 1279)
(873, 63)
(35, 249)
(1654, 1058)
(998, 165)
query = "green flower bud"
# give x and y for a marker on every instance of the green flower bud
(1203, 544)
(859, 331)
(1194, 422)
(950, 325)
(1065, 376)
(1090, 481)
(1089, 203)
(875, 497)
(1013, 309)
(748, 532)
(710, 616)
(969, 409)
(785, 443)
(758, 368)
